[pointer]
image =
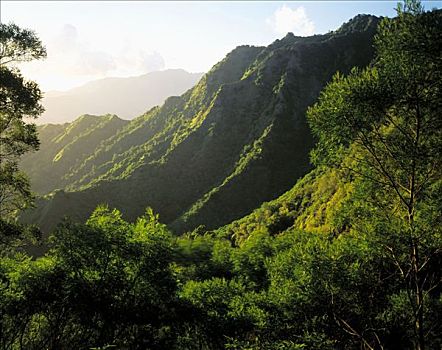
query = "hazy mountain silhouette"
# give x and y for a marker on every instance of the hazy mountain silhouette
(126, 97)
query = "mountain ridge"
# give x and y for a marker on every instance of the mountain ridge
(105, 96)
(235, 140)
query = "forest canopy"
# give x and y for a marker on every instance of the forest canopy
(348, 259)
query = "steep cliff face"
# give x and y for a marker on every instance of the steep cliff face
(210, 156)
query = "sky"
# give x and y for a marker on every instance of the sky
(88, 40)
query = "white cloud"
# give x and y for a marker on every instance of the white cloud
(286, 19)
(70, 56)
(152, 61)
(72, 59)
(94, 63)
(66, 40)
(130, 60)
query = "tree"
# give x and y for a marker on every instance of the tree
(106, 283)
(19, 99)
(383, 124)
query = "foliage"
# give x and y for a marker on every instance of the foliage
(19, 99)
(383, 125)
(19, 45)
(104, 283)
(331, 264)
(112, 283)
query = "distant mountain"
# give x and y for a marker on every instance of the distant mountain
(212, 155)
(125, 97)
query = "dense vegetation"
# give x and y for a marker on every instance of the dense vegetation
(64, 146)
(19, 99)
(349, 258)
(111, 283)
(212, 155)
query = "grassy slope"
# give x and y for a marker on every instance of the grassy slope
(310, 205)
(64, 146)
(213, 154)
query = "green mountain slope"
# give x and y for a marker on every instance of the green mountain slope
(65, 146)
(311, 205)
(210, 156)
